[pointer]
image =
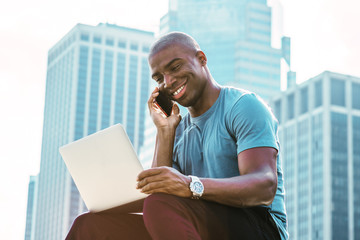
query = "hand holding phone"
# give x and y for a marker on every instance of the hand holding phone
(164, 103)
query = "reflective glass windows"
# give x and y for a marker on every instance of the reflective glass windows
(97, 39)
(81, 90)
(304, 100)
(356, 174)
(122, 44)
(84, 37)
(318, 93)
(134, 46)
(337, 92)
(106, 98)
(290, 107)
(94, 90)
(130, 120)
(277, 110)
(144, 89)
(317, 186)
(303, 179)
(109, 42)
(289, 175)
(120, 86)
(339, 176)
(355, 95)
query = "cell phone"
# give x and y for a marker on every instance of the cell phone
(164, 103)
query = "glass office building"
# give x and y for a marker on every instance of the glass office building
(320, 135)
(97, 76)
(31, 208)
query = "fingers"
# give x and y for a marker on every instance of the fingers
(148, 180)
(164, 180)
(175, 109)
(150, 172)
(152, 97)
(156, 187)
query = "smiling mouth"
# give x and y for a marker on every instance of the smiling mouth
(179, 90)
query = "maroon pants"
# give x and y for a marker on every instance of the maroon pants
(168, 217)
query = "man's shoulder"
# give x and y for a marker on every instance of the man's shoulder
(234, 92)
(237, 97)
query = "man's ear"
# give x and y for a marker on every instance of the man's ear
(200, 55)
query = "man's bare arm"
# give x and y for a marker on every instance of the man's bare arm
(256, 185)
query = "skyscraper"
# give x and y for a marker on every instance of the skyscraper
(31, 208)
(320, 135)
(97, 76)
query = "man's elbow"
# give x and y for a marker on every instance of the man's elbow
(270, 183)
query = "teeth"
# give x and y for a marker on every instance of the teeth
(179, 90)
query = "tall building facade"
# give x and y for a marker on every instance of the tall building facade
(96, 76)
(235, 35)
(320, 135)
(31, 208)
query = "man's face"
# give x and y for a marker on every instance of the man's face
(180, 73)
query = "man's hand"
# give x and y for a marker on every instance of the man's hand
(164, 180)
(159, 118)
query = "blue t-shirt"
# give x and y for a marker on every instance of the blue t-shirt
(207, 146)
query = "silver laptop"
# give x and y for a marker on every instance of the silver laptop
(104, 167)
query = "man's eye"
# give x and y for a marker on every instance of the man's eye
(176, 67)
(158, 80)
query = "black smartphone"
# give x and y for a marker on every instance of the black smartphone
(164, 103)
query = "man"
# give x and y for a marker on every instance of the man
(216, 173)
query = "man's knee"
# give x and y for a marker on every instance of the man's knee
(168, 215)
(161, 201)
(159, 205)
(82, 220)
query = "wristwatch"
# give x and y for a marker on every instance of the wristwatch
(196, 187)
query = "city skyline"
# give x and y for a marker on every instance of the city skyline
(328, 46)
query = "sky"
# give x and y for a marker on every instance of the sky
(324, 36)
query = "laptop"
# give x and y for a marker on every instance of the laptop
(104, 167)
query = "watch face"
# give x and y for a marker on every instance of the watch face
(198, 187)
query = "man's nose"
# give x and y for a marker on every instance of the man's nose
(168, 80)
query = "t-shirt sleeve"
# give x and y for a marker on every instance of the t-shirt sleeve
(252, 124)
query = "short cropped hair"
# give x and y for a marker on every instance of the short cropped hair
(173, 38)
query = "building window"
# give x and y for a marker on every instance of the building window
(304, 100)
(277, 110)
(145, 49)
(120, 86)
(106, 101)
(134, 46)
(339, 175)
(356, 174)
(355, 95)
(132, 96)
(84, 37)
(122, 44)
(97, 39)
(290, 107)
(318, 94)
(337, 92)
(109, 42)
(94, 90)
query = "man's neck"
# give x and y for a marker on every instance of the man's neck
(208, 98)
